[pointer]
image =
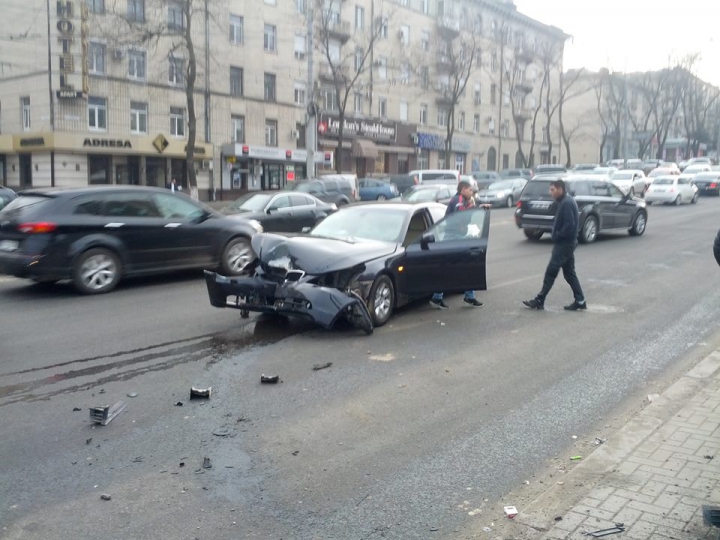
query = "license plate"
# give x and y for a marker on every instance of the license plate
(9, 245)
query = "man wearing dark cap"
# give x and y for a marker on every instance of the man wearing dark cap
(463, 200)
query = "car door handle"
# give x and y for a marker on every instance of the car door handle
(114, 225)
(172, 225)
(476, 252)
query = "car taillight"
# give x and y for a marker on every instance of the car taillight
(38, 227)
(519, 204)
(713, 185)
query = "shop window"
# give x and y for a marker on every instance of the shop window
(138, 117)
(98, 170)
(97, 113)
(271, 133)
(423, 159)
(177, 122)
(237, 24)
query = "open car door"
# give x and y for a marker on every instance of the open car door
(450, 256)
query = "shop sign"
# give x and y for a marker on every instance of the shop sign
(107, 143)
(376, 130)
(35, 141)
(433, 141)
(196, 150)
(160, 143)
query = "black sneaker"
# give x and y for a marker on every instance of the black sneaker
(534, 304)
(472, 302)
(576, 306)
(438, 304)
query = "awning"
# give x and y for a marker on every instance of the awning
(364, 149)
(397, 149)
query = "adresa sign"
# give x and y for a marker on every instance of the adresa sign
(365, 129)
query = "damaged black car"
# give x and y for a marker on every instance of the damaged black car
(360, 263)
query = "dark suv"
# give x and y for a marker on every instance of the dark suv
(338, 191)
(602, 207)
(95, 236)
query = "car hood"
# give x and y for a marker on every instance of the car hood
(317, 254)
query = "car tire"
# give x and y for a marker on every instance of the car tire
(381, 198)
(381, 301)
(695, 198)
(96, 271)
(509, 202)
(639, 224)
(236, 255)
(342, 202)
(678, 200)
(589, 230)
(533, 234)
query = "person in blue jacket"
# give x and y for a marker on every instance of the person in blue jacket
(564, 237)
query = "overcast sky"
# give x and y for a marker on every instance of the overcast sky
(641, 34)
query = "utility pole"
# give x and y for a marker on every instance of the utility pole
(311, 110)
(207, 95)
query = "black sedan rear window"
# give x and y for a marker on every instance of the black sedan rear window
(537, 188)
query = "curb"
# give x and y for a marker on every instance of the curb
(538, 517)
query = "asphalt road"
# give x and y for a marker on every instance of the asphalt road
(410, 430)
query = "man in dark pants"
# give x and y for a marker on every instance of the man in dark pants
(564, 237)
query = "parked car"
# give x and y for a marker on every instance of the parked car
(280, 211)
(503, 193)
(361, 263)
(377, 190)
(619, 164)
(695, 161)
(6, 195)
(439, 193)
(336, 190)
(433, 175)
(584, 167)
(691, 171)
(602, 207)
(547, 169)
(516, 173)
(662, 171)
(672, 190)
(651, 164)
(607, 172)
(485, 178)
(95, 236)
(630, 181)
(708, 183)
(403, 182)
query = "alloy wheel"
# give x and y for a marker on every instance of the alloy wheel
(590, 230)
(382, 301)
(98, 272)
(640, 223)
(239, 256)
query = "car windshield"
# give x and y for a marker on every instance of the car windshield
(664, 182)
(622, 176)
(537, 188)
(421, 195)
(252, 202)
(363, 222)
(659, 172)
(498, 186)
(695, 169)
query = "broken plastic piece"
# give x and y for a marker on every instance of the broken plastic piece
(200, 393)
(510, 511)
(576, 458)
(105, 497)
(104, 415)
(599, 441)
(558, 518)
(179, 404)
(206, 463)
(318, 367)
(132, 394)
(605, 532)
(267, 379)
(76, 409)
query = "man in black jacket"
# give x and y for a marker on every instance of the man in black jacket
(716, 248)
(564, 237)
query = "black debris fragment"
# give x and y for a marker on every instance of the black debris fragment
(200, 393)
(318, 367)
(138, 459)
(88, 441)
(269, 379)
(296, 452)
(182, 464)
(558, 518)
(105, 497)
(77, 409)
(619, 527)
(179, 404)
(709, 457)
(206, 463)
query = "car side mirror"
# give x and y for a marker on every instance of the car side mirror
(425, 239)
(271, 210)
(306, 230)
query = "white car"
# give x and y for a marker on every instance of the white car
(607, 172)
(672, 189)
(630, 181)
(691, 171)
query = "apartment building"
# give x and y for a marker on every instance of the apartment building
(97, 93)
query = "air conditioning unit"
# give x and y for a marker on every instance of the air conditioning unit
(118, 54)
(295, 134)
(206, 165)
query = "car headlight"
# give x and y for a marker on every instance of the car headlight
(255, 224)
(500, 195)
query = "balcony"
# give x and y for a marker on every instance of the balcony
(339, 30)
(448, 27)
(524, 54)
(525, 86)
(444, 97)
(522, 114)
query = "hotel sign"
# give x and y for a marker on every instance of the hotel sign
(74, 78)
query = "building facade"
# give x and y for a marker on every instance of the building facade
(95, 91)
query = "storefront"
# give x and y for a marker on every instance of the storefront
(262, 168)
(431, 151)
(80, 159)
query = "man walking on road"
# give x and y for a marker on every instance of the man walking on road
(462, 200)
(564, 237)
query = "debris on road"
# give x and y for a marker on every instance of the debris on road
(104, 415)
(558, 518)
(709, 457)
(487, 529)
(182, 464)
(576, 458)
(510, 511)
(653, 397)
(132, 394)
(606, 532)
(318, 367)
(138, 459)
(206, 463)
(88, 441)
(105, 497)
(179, 404)
(222, 432)
(434, 529)
(268, 379)
(599, 441)
(200, 393)
(77, 409)
(296, 452)
(383, 357)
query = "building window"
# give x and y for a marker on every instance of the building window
(405, 31)
(270, 38)
(425, 6)
(328, 97)
(442, 117)
(461, 121)
(382, 67)
(138, 117)
(359, 59)
(423, 114)
(358, 104)
(176, 74)
(300, 91)
(423, 160)
(405, 72)
(300, 46)
(238, 128)
(382, 107)
(359, 18)
(403, 111)
(271, 133)
(300, 6)
(270, 87)
(505, 128)
(236, 81)
(491, 126)
(25, 108)
(236, 29)
(506, 98)
(384, 27)
(97, 113)
(493, 94)
(96, 6)
(177, 122)
(176, 17)
(136, 11)
(96, 58)
(425, 77)
(425, 40)
(136, 65)
(476, 123)
(493, 62)
(477, 97)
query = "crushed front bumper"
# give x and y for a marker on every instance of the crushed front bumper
(322, 305)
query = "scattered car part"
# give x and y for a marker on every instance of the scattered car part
(510, 511)
(179, 404)
(104, 415)
(606, 532)
(318, 367)
(268, 379)
(206, 463)
(200, 393)
(105, 497)
(711, 515)
(77, 409)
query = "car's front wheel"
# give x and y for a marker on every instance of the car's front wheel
(509, 202)
(638, 226)
(695, 198)
(97, 271)
(236, 256)
(381, 198)
(533, 234)
(382, 300)
(678, 200)
(589, 230)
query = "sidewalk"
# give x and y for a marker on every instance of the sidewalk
(653, 476)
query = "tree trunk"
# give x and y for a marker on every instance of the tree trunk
(450, 131)
(603, 142)
(190, 96)
(341, 134)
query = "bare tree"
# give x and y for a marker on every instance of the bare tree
(671, 96)
(649, 90)
(599, 88)
(698, 99)
(343, 64)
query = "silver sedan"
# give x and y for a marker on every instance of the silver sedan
(502, 193)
